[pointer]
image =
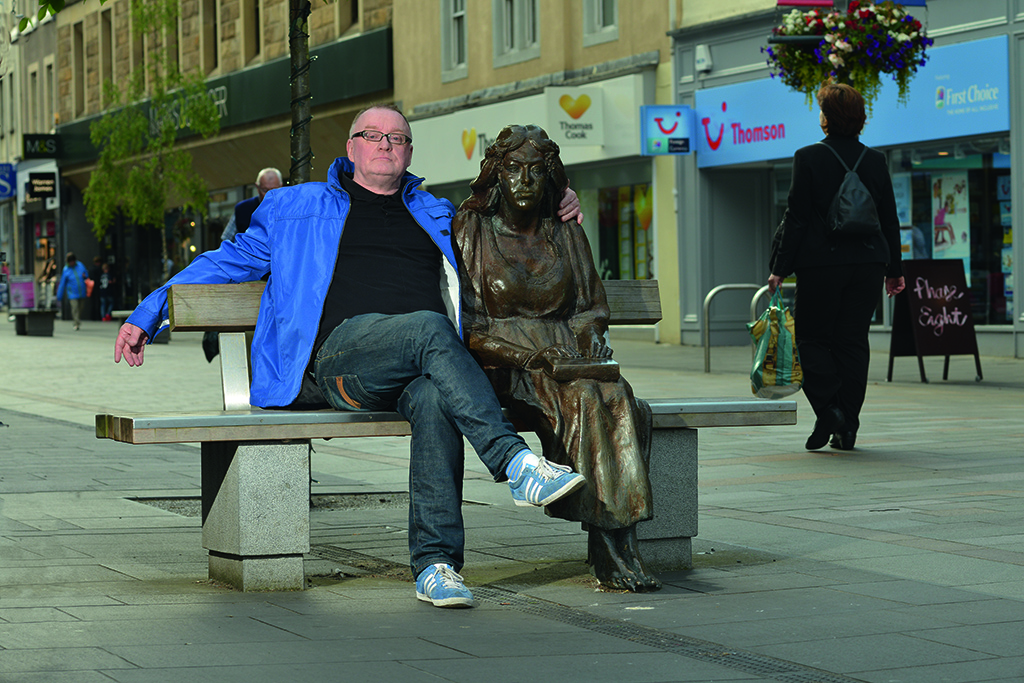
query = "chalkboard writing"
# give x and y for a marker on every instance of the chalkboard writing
(932, 316)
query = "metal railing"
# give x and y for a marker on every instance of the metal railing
(760, 290)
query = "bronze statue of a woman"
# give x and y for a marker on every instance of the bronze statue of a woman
(535, 316)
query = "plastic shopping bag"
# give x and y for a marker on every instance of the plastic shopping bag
(776, 369)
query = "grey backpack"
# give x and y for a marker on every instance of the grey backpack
(852, 211)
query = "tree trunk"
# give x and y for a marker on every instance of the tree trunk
(298, 43)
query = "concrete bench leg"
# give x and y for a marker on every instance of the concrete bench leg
(665, 540)
(256, 513)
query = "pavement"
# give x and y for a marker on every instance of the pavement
(900, 561)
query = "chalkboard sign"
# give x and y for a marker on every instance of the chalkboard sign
(932, 316)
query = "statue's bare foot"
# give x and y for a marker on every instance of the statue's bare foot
(629, 550)
(610, 567)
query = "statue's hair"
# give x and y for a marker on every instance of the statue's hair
(486, 194)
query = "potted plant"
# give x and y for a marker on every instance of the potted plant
(854, 47)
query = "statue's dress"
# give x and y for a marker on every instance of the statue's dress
(598, 428)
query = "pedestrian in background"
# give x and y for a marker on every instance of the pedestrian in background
(72, 281)
(94, 274)
(266, 180)
(105, 286)
(839, 278)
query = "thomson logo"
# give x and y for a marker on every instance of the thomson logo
(742, 134)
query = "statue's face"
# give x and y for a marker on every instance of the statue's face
(521, 178)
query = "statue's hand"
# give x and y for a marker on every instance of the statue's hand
(536, 359)
(593, 345)
(598, 349)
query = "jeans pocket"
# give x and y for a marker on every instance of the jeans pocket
(345, 392)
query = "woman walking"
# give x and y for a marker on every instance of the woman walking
(839, 277)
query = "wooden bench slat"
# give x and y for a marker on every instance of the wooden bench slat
(633, 302)
(221, 308)
(234, 307)
(257, 424)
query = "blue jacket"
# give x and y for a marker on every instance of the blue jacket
(294, 236)
(72, 280)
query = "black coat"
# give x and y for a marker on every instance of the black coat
(803, 241)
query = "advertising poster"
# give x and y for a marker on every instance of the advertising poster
(643, 210)
(904, 198)
(951, 218)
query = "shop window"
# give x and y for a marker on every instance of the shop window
(516, 31)
(954, 203)
(624, 220)
(600, 21)
(453, 40)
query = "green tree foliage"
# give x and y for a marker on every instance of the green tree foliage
(45, 7)
(140, 171)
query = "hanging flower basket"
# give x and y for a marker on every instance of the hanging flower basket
(854, 47)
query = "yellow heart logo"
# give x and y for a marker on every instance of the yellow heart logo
(643, 204)
(469, 141)
(574, 107)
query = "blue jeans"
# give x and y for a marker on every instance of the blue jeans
(416, 364)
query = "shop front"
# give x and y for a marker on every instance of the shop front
(949, 156)
(597, 129)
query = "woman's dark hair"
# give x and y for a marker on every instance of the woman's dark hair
(486, 194)
(843, 108)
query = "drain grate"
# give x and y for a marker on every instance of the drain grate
(702, 650)
(374, 565)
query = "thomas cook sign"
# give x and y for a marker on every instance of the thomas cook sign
(575, 116)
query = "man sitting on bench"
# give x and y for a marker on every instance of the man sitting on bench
(361, 312)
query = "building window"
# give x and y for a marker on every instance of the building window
(453, 40)
(78, 67)
(139, 55)
(106, 50)
(210, 34)
(32, 115)
(600, 21)
(516, 31)
(250, 31)
(49, 88)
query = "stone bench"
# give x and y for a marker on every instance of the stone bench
(34, 322)
(255, 462)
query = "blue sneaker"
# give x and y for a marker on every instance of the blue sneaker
(544, 484)
(441, 585)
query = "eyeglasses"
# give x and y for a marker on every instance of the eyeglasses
(397, 139)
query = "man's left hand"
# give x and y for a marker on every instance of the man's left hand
(569, 207)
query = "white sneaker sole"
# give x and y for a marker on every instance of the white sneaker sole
(446, 602)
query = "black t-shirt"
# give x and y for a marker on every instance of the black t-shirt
(386, 262)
